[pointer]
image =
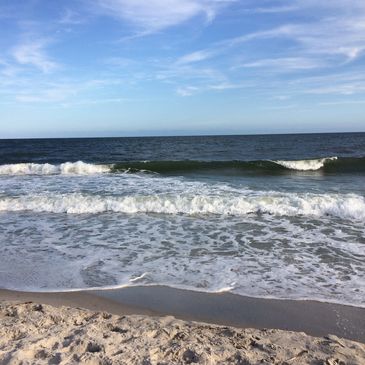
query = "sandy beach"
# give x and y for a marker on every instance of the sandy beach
(63, 332)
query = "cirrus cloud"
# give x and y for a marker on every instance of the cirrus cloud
(155, 15)
(32, 53)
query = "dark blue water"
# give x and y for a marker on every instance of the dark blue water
(205, 148)
(271, 216)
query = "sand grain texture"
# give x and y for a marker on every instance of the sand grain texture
(41, 334)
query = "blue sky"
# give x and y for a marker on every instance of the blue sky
(165, 67)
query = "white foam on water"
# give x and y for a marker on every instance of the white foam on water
(346, 206)
(261, 256)
(208, 235)
(305, 165)
(82, 168)
(132, 280)
(67, 168)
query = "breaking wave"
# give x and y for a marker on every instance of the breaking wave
(305, 165)
(330, 165)
(347, 206)
(67, 168)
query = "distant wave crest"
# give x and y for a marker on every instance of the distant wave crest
(67, 168)
(331, 165)
(347, 206)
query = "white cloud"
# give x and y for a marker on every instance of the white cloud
(195, 57)
(340, 36)
(340, 102)
(276, 9)
(336, 27)
(331, 37)
(71, 17)
(226, 86)
(322, 34)
(98, 101)
(8, 70)
(322, 6)
(348, 83)
(187, 90)
(341, 89)
(332, 34)
(119, 62)
(222, 86)
(33, 53)
(286, 63)
(155, 15)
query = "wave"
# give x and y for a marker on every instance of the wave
(305, 165)
(330, 165)
(346, 206)
(67, 168)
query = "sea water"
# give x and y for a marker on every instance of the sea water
(279, 216)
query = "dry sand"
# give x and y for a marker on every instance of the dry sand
(42, 334)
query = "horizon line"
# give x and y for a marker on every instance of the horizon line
(182, 135)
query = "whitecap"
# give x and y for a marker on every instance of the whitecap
(305, 165)
(346, 206)
(67, 168)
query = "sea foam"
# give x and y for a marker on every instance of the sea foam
(305, 165)
(67, 168)
(82, 168)
(346, 206)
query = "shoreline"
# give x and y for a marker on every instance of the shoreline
(112, 288)
(311, 317)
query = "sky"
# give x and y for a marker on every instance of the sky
(73, 68)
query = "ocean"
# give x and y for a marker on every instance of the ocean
(273, 216)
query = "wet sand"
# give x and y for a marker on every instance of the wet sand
(312, 317)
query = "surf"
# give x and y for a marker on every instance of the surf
(305, 165)
(345, 206)
(325, 165)
(67, 168)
